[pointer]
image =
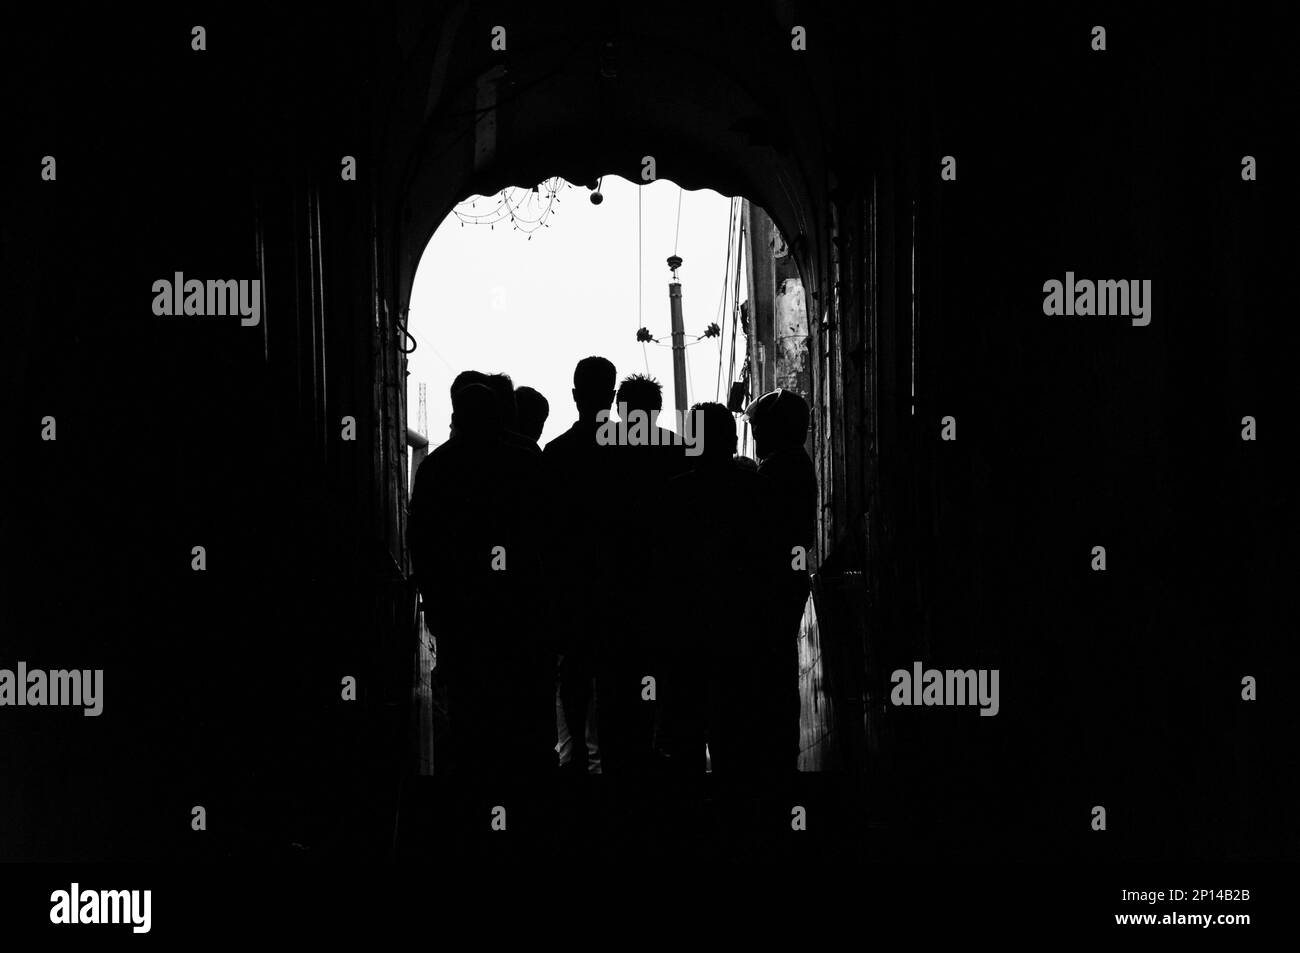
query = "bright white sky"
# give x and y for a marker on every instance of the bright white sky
(492, 300)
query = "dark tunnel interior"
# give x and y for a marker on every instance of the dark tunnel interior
(925, 321)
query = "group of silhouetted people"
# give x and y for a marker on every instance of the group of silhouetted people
(656, 593)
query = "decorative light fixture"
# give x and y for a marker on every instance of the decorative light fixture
(527, 210)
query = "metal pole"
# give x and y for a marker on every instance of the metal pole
(679, 336)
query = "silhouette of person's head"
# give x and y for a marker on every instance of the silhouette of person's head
(779, 420)
(475, 413)
(716, 432)
(640, 392)
(504, 388)
(593, 385)
(533, 411)
(465, 378)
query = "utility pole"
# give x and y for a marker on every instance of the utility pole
(679, 335)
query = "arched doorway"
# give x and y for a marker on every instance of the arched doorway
(598, 100)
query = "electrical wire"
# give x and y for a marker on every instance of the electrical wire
(735, 323)
(735, 299)
(678, 230)
(721, 317)
(687, 355)
(640, 262)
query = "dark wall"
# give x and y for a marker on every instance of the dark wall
(1120, 688)
(222, 686)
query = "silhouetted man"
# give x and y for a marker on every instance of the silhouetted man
(475, 533)
(533, 411)
(649, 456)
(659, 452)
(581, 554)
(717, 556)
(779, 421)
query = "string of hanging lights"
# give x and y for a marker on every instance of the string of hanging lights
(526, 210)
